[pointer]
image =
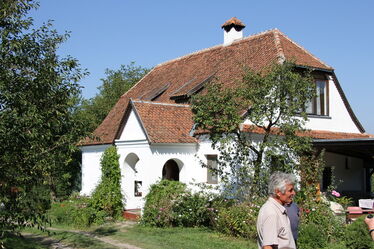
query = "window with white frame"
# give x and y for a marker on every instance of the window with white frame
(319, 104)
(212, 177)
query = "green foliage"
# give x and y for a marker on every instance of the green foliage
(357, 236)
(116, 83)
(238, 220)
(311, 237)
(191, 210)
(38, 127)
(169, 204)
(159, 203)
(18, 242)
(76, 212)
(318, 213)
(335, 245)
(107, 196)
(273, 100)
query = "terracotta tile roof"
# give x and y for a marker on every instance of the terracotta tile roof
(291, 50)
(165, 123)
(316, 134)
(233, 21)
(186, 74)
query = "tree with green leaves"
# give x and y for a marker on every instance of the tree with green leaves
(272, 104)
(38, 127)
(116, 83)
(107, 196)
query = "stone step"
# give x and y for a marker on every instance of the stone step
(132, 214)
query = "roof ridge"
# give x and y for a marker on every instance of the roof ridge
(253, 36)
(158, 103)
(302, 48)
(278, 46)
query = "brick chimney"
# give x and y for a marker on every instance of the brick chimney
(232, 30)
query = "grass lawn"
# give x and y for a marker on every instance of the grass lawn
(146, 238)
(177, 238)
(66, 238)
(16, 242)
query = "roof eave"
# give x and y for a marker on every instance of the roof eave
(347, 140)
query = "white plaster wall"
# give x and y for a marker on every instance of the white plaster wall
(353, 177)
(142, 151)
(133, 130)
(152, 159)
(91, 170)
(339, 119)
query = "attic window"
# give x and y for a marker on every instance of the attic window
(155, 94)
(189, 89)
(319, 104)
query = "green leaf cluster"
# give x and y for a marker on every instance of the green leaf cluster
(38, 126)
(107, 196)
(272, 103)
(357, 236)
(159, 203)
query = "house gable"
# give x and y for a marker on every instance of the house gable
(133, 129)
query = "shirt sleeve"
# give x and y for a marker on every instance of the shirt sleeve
(269, 231)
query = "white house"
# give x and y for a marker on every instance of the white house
(152, 125)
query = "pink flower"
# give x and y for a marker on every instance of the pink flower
(335, 193)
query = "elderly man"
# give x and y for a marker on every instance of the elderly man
(273, 224)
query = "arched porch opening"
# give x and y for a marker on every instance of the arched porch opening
(131, 160)
(170, 171)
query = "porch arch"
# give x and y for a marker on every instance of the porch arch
(171, 169)
(131, 160)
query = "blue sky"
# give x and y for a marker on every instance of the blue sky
(106, 34)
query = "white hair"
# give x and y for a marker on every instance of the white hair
(279, 180)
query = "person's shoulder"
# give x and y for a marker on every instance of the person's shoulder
(268, 208)
(294, 204)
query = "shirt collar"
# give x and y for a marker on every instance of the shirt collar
(281, 208)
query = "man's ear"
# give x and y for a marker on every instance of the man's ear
(277, 192)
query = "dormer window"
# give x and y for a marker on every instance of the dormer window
(319, 104)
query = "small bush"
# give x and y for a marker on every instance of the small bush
(190, 210)
(76, 212)
(311, 236)
(159, 203)
(319, 213)
(237, 220)
(357, 236)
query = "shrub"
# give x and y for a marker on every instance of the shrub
(190, 210)
(76, 212)
(159, 203)
(337, 245)
(311, 236)
(319, 214)
(107, 196)
(357, 236)
(238, 220)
